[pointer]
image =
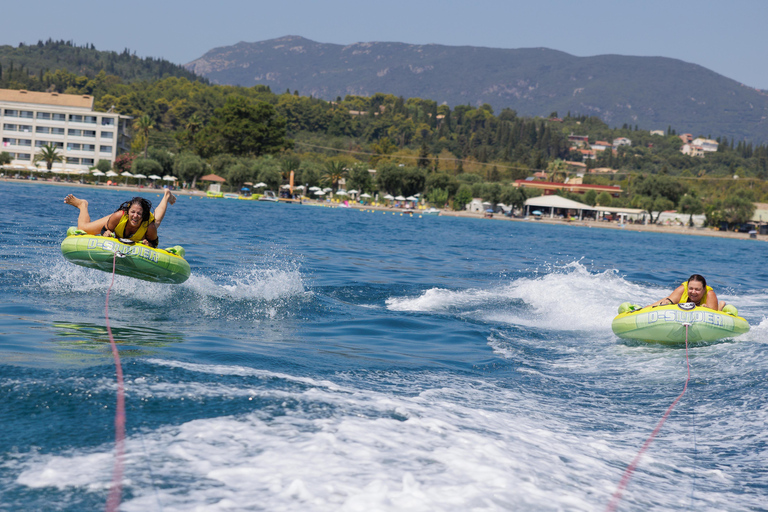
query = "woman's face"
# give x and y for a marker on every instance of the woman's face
(695, 291)
(135, 213)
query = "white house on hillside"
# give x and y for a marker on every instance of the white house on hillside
(621, 141)
(708, 145)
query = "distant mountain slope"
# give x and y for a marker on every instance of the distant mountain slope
(651, 92)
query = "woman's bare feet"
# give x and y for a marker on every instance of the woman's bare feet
(77, 203)
(171, 197)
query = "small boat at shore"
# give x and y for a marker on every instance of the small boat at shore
(667, 324)
(431, 212)
(269, 195)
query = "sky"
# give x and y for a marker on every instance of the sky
(729, 38)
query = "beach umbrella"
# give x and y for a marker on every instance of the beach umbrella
(285, 187)
(139, 176)
(352, 192)
(111, 174)
(341, 193)
(388, 197)
(97, 172)
(399, 198)
(245, 189)
(170, 178)
(126, 174)
(261, 184)
(314, 188)
(536, 212)
(366, 195)
(319, 193)
(154, 177)
(328, 189)
(299, 187)
(411, 198)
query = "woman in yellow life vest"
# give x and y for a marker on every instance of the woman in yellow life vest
(132, 219)
(694, 290)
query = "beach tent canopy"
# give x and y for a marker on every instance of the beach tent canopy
(213, 177)
(554, 201)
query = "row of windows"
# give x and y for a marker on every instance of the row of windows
(50, 116)
(70, 160)
(73, 132)
(7, 141)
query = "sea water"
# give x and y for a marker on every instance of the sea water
(326, 359)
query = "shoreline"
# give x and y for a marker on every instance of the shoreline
(646, 228)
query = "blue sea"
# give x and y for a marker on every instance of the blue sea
(325, 359)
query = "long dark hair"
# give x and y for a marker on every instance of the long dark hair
(145, 207)
(699, 278)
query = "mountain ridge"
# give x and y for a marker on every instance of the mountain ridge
(651, 92)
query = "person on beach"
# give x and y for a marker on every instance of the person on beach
(132, 219)
(694, 290)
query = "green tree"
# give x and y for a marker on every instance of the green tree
(188, 167)
(590, 197)
(360, 179)
(267, 169)
(243, 128)
(146, 166)
(5, 158)
(438, 197)
(463, 197)
(691, 205)
(104, 165)
(737, 209)
(48, 154)
(143, 125)
(603, 199)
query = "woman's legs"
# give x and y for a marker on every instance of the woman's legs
(160, 209)
(84, 222)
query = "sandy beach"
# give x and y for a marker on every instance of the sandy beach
(677, 230)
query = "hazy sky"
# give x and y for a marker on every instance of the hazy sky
(730, 38)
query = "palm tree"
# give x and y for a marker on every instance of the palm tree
(49, 155)
(143, 125)
(334, 172)
(194, 124)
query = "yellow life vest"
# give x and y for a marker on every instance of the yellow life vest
(140, 233)
(702, 302)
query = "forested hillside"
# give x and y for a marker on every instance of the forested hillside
(18, 65)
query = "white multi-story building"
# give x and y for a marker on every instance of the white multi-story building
(30, 120)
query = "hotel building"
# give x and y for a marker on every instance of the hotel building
(30, 120)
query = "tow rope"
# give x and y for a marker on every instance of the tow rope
(116, 490)
(616, 498)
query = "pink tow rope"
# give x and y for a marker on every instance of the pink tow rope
(116, 490)
(631, 468)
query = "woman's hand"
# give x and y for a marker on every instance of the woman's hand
(108, 233)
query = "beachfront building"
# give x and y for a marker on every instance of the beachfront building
(550, 187)
(30, 120)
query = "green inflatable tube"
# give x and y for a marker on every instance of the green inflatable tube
(133, 259)
(666, 324)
